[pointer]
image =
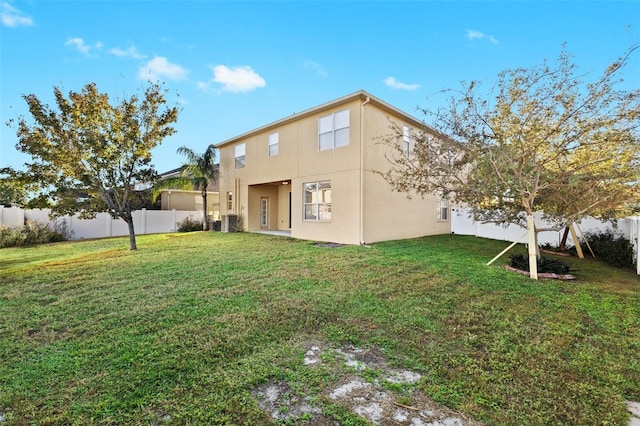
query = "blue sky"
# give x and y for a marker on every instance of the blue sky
(238, 65)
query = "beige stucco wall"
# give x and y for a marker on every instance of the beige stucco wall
(385, 215)
(175, 199)
(256, 194)
(391, 215)
(298, 153)
(343, 227)
(299, 161)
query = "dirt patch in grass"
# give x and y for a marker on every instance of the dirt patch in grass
(369, 388)
(282, 402)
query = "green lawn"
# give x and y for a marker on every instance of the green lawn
(184, 329)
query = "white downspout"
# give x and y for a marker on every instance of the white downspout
(362, 169)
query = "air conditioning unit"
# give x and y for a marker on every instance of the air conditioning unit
(230, 223)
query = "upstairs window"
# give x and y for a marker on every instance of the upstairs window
(229, 201)
(406, 140)
(317, 201)
(333, 130)
(240, 161)
(273, 144)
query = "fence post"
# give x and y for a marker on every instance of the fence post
(109, 226)
(533, 248)
(143, 212)
(636, 222)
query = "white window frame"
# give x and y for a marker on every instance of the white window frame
(333, 130)
(442, 211)
(318, 208)
(406, 140)
(264, 212)
(273, 144)
(229, 201)
(240, 151)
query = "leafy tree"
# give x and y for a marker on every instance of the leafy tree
(196, 174)
(542, 139)
(88, 154)
(11, 192)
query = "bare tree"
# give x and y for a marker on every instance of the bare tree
(542, 139)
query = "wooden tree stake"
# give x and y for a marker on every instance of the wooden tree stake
(508, 248)
(585, 240)
(576, 242)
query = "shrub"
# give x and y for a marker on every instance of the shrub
(34, 233)
(611, 247)
(190, 224)
(545, 264)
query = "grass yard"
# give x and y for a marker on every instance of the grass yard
(183, 330)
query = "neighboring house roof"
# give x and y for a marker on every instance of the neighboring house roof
(361, 94)
(213, 184)
(141, 186)
(170, 173)
(176, 172)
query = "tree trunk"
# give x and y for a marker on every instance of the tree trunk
(205, 224)
(563, 241)
(132, 234)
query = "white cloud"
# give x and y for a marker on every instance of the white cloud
(159, 67)
(131, 52)
(12, 17)
(473, 35)
(201, 85)
(313, 65)
(236, 79)
(82, 47)
(395, 84)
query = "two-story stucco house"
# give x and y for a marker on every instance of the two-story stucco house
(313, 173)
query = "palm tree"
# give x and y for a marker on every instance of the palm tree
(196, 174)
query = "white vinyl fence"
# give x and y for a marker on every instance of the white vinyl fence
(462, 223)
(144, 222)
(159, 221)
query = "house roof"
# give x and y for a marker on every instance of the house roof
(361, 94)
(170, 173)
(176, 172)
